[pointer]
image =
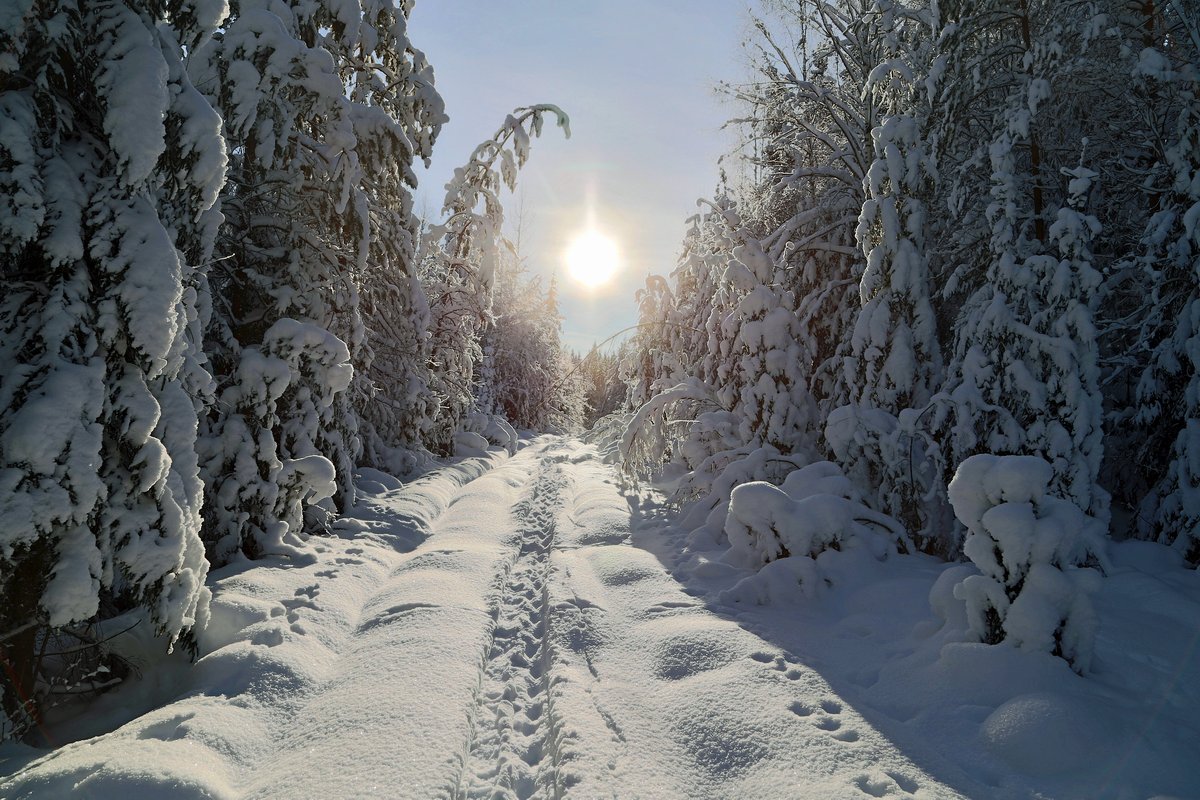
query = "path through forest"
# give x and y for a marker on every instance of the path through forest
(487, 632)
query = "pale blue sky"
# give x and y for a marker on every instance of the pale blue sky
(636, 77)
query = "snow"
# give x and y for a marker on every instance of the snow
(516, 626)
(132, 79)
(1032, 550)
(992, 721)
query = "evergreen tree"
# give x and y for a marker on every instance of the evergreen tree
(397, 115)
(1027, 351)
(895, 365)
(325, 105)
(1168, 393)
(111, 163)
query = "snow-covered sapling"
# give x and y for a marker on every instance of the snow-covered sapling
(1034, 553)
(816, 509)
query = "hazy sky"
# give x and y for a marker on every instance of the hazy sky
(636, 78)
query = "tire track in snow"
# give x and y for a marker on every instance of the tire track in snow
(510, 754)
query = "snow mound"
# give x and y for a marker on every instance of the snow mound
(1045, 734)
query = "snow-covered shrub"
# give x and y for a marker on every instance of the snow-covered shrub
(1035, 553)
(648, 441)
(798, 536)
(264, 469)
(494, 429)
(816, 509)
(706, 488)
(897, 463)
(606, 434)
(316, 423)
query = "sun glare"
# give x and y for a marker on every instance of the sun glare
(592, 258)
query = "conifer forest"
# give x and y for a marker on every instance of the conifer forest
(890, 489)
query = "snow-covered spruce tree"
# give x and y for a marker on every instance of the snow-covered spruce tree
(459, 263)
(895, 363)
(662, 387)
(697, 340)
(746, 419)
(652, 365)
(296, 85)
(1026, 354)
(813, 104)
(766, 387)
(784, 249)
(397, 114)
(110, 165)
(1034, 551)
(696, 280)
(1168, 392)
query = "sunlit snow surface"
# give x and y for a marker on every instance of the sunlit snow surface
(510, 627)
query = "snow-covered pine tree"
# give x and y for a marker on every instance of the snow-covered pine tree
(703, 298)
(651, 369)
(813, 104)
(695, 282)
(110, 165)
(766, 387)
(461, 256)
(531, 379)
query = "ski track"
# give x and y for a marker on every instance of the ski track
(524, 648)
(507, 756)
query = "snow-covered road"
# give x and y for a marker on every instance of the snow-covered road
(488, 631)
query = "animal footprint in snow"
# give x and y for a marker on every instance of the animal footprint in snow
(828, 720)
(268, 637)
(303, 599)
(886, 783)
(800, 709)
(779, 662)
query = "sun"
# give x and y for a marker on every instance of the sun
(592, 258)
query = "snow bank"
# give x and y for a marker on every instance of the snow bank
(994, 721)
(328, 655)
